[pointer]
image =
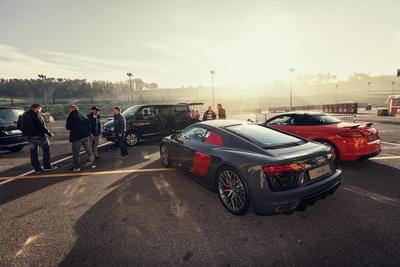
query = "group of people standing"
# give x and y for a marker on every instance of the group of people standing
(211, 115)
(84, 131)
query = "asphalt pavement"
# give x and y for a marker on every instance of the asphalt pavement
(133, 212)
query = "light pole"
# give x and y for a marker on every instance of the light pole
(393, 87)
(43, 77)
(130, 85)
(337, 92)
(369, 88)
(212, 72)
(291, 71)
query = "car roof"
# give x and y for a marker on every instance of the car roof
(9, 107)
(301, 113)
(167, 105)
(222, 123)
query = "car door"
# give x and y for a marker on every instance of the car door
(182, 117)
(189, 142)
(145, 121)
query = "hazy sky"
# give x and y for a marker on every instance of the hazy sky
(177, 42)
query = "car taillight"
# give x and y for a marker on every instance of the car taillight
(331, 156)
(284, 177)
(350, 134)
(276, 169)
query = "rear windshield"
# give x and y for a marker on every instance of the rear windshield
(10, 115)
(264, 137)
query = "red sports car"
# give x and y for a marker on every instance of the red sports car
(351, 141)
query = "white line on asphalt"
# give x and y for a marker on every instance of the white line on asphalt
(392, 144)
(372, 195)
(55, 162)
(389, 157)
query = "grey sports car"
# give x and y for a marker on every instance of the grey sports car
(248, 165)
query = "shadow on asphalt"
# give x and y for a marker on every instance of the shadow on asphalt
(110, 161)
(374, 175)
(168, 219)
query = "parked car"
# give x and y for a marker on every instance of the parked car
(249, 165)
(351, 141)
(144, 121)
(11, 138)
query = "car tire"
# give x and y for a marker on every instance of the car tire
(132, 139)
(233, 191)
(15, 148)
(164, 156)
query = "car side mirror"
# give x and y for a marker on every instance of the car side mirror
(174, 136)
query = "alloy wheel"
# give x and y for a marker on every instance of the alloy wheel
(132, 139)
(164, 155)
(233, 192)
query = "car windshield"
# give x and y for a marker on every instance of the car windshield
(130, 111)
(10, 115)
(264, 137)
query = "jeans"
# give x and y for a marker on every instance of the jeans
(94, 142)
(122, 144)
(76, 148)
(34, 143)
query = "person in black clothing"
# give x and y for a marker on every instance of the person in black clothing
(32, 125)
(120, 130)
(95, 129)
(221, 112)
(209, 114)
(79, 127)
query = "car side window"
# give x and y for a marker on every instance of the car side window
(310, 121)
(284, 120)
(147, 113)
(194, 133)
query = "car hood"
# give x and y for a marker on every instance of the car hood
(109, 123)
(8, 126)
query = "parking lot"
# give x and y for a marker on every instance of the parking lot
(133, 212)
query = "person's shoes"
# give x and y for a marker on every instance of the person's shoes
(52, 168)
(93, 166)
(124, 156)
(38, 171)
(77, 169)
(89, 163)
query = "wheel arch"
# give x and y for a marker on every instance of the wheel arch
(320, 140)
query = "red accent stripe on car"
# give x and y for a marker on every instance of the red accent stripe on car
(214, 139)
(201, 163)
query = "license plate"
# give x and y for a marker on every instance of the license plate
(320, 171)
(372, 137)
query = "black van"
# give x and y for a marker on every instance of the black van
(11, 138)
(144, 121)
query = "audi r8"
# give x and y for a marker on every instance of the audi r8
(350, 141)
(251, 166)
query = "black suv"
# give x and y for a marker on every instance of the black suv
(11, 138)
(144, 121)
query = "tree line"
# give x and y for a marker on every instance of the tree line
(60, 88)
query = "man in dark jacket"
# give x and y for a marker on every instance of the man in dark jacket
(120, 130)
(209, 114)
(95, 129)
(32, 125)
(79, 127)
(221, 112)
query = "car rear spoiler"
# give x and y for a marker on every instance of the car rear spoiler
(366, 125)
